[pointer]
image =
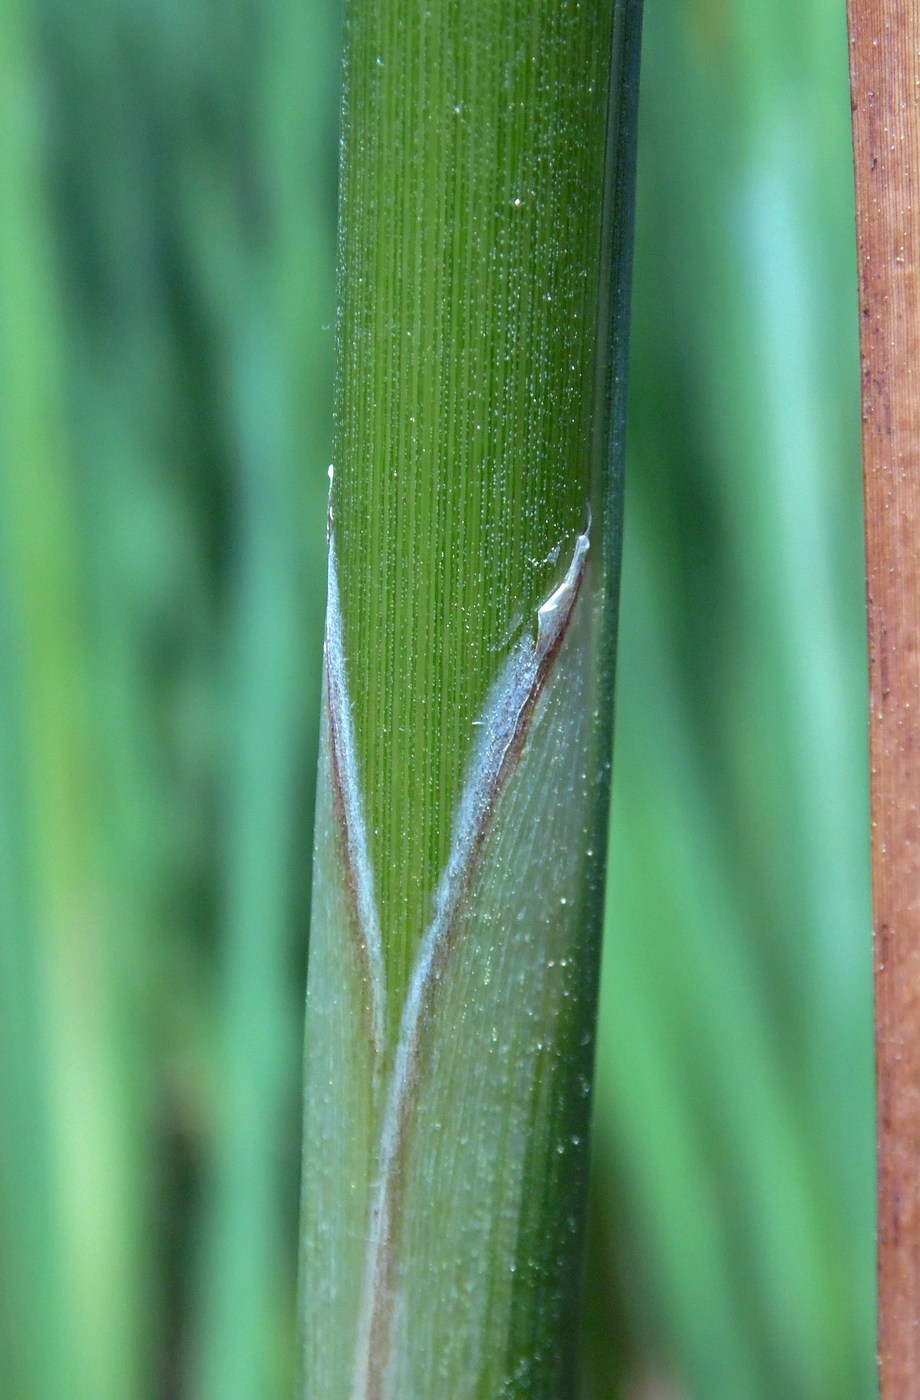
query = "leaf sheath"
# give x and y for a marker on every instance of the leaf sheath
(485, 237)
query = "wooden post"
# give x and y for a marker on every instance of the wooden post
(885, 87)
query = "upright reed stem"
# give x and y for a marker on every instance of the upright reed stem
(474, 532)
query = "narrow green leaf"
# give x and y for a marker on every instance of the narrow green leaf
(485, 237)
(69, 1191)
(471, 210)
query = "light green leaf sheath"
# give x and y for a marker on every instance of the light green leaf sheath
(461, 811)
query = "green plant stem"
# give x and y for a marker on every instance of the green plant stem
(278, 390)
(68, 1189)
(462, 798)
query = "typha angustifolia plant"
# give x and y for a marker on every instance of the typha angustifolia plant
(474, 543)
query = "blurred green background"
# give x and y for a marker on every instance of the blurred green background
(167, 229)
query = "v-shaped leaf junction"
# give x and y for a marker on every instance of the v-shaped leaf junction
(502, 732)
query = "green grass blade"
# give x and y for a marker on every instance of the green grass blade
(740, 842)
(67, 1182)
(474, 553)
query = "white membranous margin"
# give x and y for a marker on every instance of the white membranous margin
(345, 765)
(501, 732)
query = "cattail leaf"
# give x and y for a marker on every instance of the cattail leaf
(487, 1116)
(474, 556)
(341, 1090)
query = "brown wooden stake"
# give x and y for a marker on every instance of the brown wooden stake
(885, 87)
